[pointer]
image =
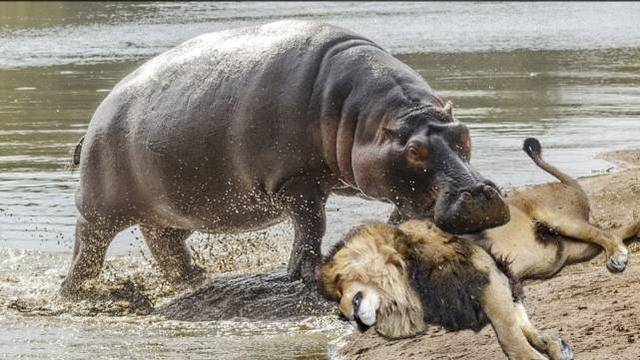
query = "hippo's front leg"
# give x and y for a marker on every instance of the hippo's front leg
(305, 199)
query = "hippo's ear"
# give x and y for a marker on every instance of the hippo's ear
(417, 153)
(448, 108)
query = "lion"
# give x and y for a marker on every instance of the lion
(400, 279)
(549, 228)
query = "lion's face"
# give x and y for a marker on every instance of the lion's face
(367, 276)
(359, 304)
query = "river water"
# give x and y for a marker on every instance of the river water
(567, 73)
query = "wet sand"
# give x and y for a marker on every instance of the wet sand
(598, 313)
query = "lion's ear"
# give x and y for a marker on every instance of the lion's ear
(400, 241)
(396, 260)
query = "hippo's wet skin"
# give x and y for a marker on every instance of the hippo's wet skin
(237, 130)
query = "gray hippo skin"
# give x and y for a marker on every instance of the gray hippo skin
(238, 130)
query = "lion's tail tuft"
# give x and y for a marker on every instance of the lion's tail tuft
(533, 148)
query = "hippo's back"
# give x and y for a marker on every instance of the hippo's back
(236, 55)
(222, 113)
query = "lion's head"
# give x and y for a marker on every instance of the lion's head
(368, 277)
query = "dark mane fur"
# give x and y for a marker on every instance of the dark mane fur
(450, 291)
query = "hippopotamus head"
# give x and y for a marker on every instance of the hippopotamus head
(421, 164)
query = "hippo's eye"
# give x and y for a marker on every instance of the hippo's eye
(413, 151)
(417, 154)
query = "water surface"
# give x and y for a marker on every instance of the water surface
(568, 74)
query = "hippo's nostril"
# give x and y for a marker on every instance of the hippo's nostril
(488, 189)
(465, 196)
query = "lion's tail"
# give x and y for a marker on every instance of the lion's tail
(533, 148)
(76, 152)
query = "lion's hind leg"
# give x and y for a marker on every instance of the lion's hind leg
(578, 229)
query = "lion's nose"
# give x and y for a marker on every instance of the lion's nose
(357, 300)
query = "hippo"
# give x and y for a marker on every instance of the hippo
(238, 130)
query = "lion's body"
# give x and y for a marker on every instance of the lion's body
(449, 274)
(549, 228)
(416, 275)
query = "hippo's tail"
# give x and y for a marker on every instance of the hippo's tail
(76, 153)
(533, 148)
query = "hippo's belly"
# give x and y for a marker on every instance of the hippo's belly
(224, 212)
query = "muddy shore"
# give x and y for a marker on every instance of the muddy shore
(598, 313)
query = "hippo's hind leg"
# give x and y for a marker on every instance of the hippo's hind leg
(304, 199)
(169, 249)
(90, 247)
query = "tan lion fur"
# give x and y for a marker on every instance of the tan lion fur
(383, 258)
(549, 228)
